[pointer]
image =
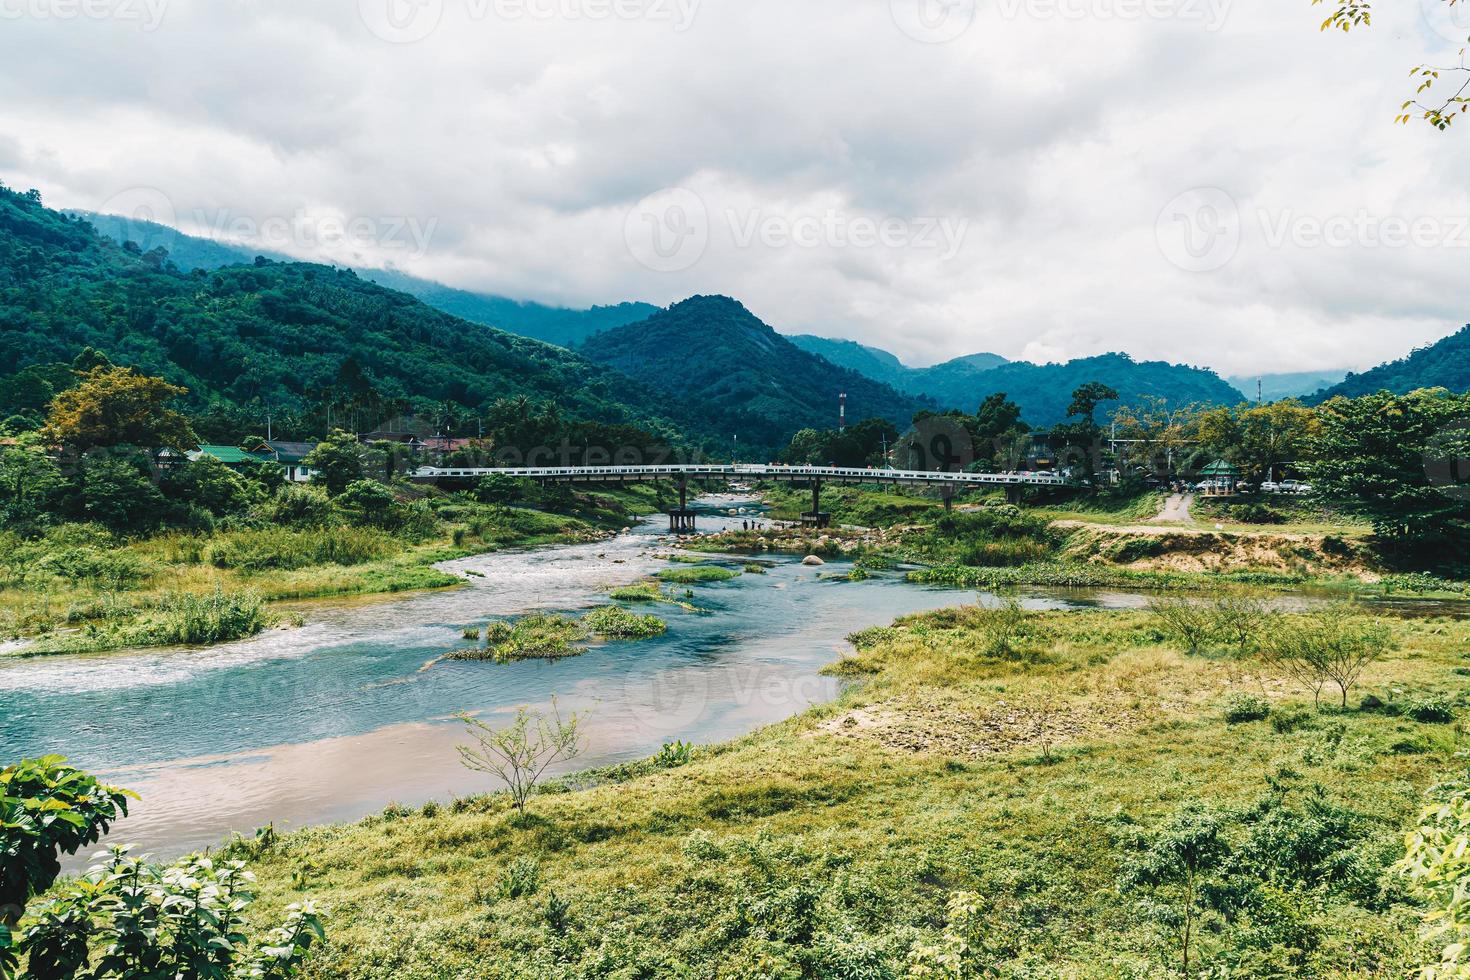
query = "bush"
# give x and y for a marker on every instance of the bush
(615, 622)
(1287, 720)
(873, 636)
(1242, 707)
(1432, 709)
(697, 574)
(297, 506)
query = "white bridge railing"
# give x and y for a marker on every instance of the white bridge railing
(741, 470)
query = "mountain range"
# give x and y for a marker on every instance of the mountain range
(707, 365)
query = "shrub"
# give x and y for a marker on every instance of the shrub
(1332, 646)
(615, 622)
(1432, 709)
(187, 619)
(297, 506)
(1189, 623)
(543, 636)
(1241, 707)
(1287, 720)
(673, 755)
(871, 637)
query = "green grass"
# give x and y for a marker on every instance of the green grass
(829, 845)
(617, 623)
(540, 637)
(697, 574)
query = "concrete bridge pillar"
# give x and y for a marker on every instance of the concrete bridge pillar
(1013, 494)
(816, 518)
(681, 521)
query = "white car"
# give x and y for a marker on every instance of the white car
(1270, 486)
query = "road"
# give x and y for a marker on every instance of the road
(1176, 509)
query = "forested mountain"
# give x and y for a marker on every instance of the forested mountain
(288, 338)
(739, 375)
(555, 325)
(1445, 364)
(1294, 384)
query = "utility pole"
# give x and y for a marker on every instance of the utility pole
(267, 426)
(1258, 393)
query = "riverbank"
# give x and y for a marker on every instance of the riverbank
(1094, 543)
(82, 590)
(832, 844)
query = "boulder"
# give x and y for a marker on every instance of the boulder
(812, 560)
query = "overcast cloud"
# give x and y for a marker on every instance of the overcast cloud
(1207, 181)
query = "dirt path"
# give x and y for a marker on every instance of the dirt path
(1176, 509)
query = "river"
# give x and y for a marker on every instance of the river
(340, 717)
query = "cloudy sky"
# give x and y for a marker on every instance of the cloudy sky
(1207, 181)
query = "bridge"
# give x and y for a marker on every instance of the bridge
(682, 520)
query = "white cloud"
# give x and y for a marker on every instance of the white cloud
(1001, 191)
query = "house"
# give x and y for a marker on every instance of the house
(291, 455)
(229, 455)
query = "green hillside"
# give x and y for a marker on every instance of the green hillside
(739, 376)
(555, 325)
(288, 338)
(1445, 364)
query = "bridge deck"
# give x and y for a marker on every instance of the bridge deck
(754, 471)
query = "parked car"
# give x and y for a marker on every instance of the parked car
(1295, 486)
(1270, 486)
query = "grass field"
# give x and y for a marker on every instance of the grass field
(831, 845)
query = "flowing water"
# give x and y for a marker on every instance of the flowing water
(350, 712)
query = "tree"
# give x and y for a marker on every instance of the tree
(338, 461)
(498, 490)
(30, 483)
(1396, 460)
(1259, 438)
(520, 753)
(115, 406)
(369, 498)
(118, 491)
(1333, 646)
(1178, 867)
(1160, 436)
(211, 485)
